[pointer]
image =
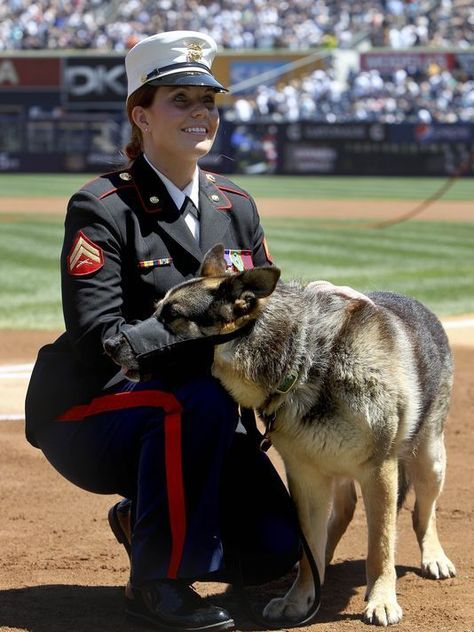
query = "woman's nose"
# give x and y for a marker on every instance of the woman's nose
(199, 110)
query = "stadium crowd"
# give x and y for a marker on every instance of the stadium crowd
(293, 24)
(433, 96)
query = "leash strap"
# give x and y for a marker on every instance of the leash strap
(279, 624)
(239, 584)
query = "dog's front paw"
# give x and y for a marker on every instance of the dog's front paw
(383, 612)
(283, 608)
(439, 567)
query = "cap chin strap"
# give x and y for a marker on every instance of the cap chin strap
(157, 73)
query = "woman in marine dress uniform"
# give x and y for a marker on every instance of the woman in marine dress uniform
(200, 499)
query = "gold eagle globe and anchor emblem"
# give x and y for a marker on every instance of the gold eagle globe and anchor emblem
(194, 52)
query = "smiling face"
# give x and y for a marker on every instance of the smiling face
(178, 127)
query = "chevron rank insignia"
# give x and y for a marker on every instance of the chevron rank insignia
(85, 257)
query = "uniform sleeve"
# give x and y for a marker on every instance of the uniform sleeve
(91, 277)
(92, 274)
(260, 255)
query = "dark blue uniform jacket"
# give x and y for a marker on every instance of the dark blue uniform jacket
(125, 245)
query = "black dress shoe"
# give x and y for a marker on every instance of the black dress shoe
(172, 605)
(119, 521)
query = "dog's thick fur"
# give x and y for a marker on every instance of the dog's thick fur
(371, 394)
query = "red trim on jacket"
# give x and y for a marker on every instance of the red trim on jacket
(103, 175)
(226, 206)
(223, 187)
(173, 458)
(114, 190)
(226, 187)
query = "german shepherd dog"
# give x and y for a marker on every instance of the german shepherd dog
(357, 391)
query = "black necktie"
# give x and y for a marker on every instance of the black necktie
(188, 207)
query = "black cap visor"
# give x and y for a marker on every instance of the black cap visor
(190, 78)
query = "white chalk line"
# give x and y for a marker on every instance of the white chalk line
(464, 323)
(15, 371)
(7, 417)
(23, 371)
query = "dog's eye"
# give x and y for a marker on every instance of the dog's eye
(174, 312)
(169, 313)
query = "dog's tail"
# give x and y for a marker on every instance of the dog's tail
(404, 483)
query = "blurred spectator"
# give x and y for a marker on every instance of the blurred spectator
(52, 24)
(431, 96)
(292, 24)
(434, 96)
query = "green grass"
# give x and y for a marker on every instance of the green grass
(433, 261)
(29, 273)
(351, 188)
(44, 184)
(302, 187)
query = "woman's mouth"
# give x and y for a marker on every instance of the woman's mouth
(195, 130)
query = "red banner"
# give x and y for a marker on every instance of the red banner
(30, 72)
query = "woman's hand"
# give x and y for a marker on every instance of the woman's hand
(143, 347)
(342, 290)
(121, 352)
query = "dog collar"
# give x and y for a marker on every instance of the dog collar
(284, 387)
(287, 383)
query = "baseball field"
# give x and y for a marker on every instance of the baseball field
(60, 567)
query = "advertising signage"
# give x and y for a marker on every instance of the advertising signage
(94, 82)
(389, 61)
(78, 82)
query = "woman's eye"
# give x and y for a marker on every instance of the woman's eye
(182, 99)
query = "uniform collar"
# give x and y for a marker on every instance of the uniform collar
(157, 201)
(214, 207)
(179, 195)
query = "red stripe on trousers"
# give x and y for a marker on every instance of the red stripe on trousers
(174, 481)
(173, 461)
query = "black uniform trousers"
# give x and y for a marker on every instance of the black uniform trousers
(171, 447)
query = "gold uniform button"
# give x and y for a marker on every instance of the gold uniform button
(125, 176)
(210, 177)
(154, 199)
(215, 198)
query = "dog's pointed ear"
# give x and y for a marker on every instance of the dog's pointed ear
(259, 281)
(214, 263)
(250, 286)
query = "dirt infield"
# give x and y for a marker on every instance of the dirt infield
(61, 569)
(335, 209)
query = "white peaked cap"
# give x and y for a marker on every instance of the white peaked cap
(172, 58)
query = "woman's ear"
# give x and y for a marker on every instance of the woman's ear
(139, 117)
